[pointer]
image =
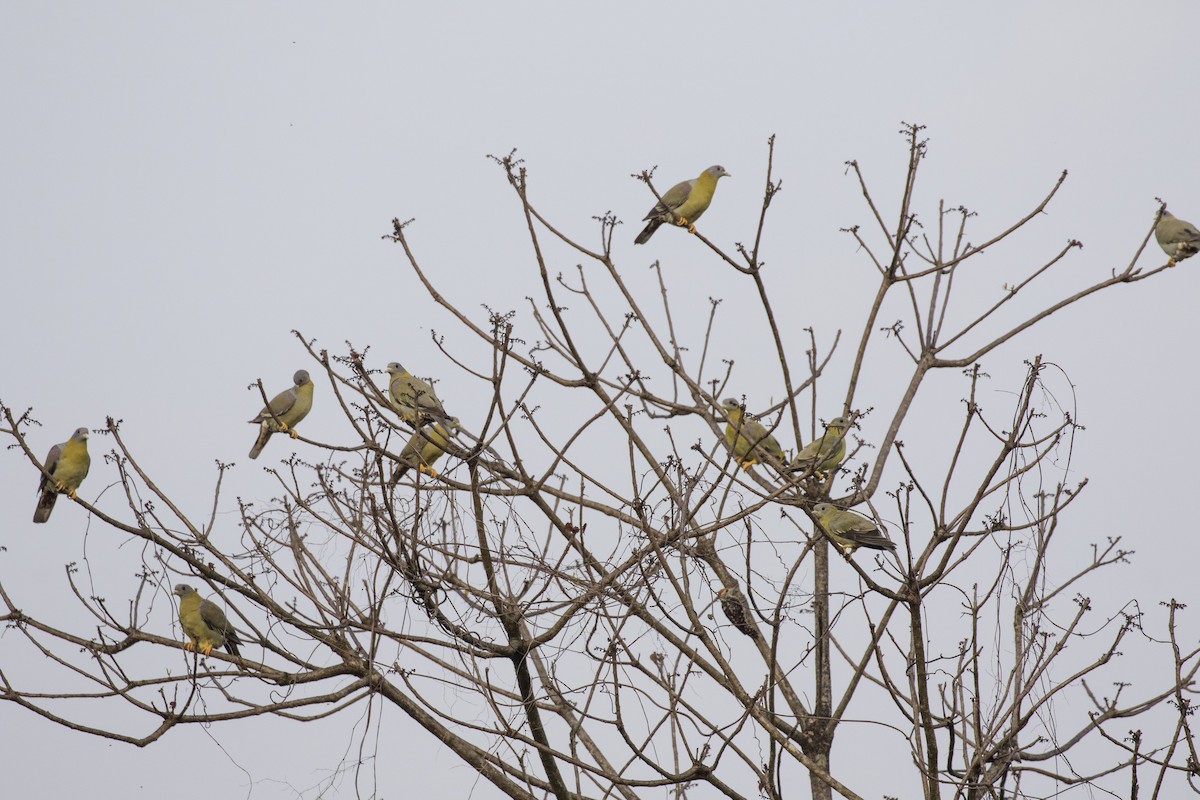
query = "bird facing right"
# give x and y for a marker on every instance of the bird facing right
(284, 412)
(825, 453)
(683, 203)
(1177, 238)
(424, 448)
(68, 464)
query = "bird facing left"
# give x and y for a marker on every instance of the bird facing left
(204, 623)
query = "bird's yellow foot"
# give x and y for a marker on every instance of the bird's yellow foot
(292, 433)
(430, 471)
(206, 649)
(71, 494)
(189, 645)
(60, 487)
(1170, 262)
(691, 228)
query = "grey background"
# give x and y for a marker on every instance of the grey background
(182, 186)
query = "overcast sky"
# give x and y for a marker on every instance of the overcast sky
(181, 187)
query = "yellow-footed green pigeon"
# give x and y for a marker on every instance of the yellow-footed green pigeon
(748, 439)
(1178, 239)
(850, 530)
(68, 465)
(424, 448)
(284, 412)
(204, 623)
(412, 398)
(683, 203)
(824, 453)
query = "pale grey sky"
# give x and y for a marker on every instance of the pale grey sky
(181, 187)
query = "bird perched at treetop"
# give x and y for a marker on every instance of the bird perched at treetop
(748, 439)
(850, 530)
(734, 606)
(424, 448)
(683, 203)
(68, 465)
(824, 453)
(204, 623)
(284, 411)
(1178, 239)
(412, 398)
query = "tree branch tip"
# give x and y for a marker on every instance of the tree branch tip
(397, 234)
(508, 161)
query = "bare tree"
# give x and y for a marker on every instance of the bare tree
(559, 577)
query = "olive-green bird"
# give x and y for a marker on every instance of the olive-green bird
(412, 398)
(748, 439)
(424, 448)
(68, 465)
(284, 412)
(824, 453)
(204, 623)
(683, 203)
(1178, 239)
(851, 530)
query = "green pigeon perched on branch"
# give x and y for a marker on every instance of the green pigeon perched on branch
(826, 452)
(748, 439)
(850, 530)
(1178, 239)
(204, 623)
(68, 465)
(412, 398)
(424, 448)
(683, 203)
(284, 411)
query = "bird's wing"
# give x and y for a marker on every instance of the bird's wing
(677, 194)
(409, 390)
(673, 199)
(51, 462)
(213, 616)
(280, 404)
(859, 530)
(223, 634)
(758, 436)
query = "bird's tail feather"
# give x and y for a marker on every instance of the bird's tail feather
(45, 506)
(264, 433)
(648, 231)
(874, 541)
